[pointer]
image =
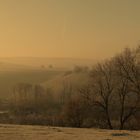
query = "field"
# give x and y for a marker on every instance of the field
(18, 132)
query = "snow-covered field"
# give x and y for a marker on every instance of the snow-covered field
(18, 132)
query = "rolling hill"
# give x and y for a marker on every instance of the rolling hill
(8, 79)
(46, 71)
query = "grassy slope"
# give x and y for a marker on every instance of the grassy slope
(16, 132)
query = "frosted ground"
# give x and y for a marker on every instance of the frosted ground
(18, 132)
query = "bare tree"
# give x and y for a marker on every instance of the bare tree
(127, 68)
(122, 91)
(103, 87)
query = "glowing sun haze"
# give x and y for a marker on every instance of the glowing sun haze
(68, 28)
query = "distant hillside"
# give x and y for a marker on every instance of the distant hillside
(7, 66)
(72, 81)
(8, 79)
(46, 71)
(59, 63)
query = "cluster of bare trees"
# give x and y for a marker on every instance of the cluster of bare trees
(115, 88)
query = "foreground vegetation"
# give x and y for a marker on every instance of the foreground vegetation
(16, 132)
(110, 98)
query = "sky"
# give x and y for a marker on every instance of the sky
(94, 29)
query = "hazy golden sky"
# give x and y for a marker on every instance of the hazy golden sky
(68, 28)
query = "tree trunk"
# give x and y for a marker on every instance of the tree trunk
(108, 119)
(121, 125)
(122, 114)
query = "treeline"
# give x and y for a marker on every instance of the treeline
(110, 100)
